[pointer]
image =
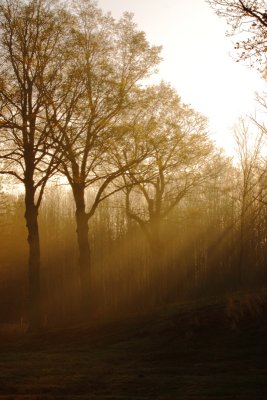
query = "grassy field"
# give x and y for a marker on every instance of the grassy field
(208, 351)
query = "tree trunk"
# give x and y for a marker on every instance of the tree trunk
(31, 217)
(241, 252)
(84, 248)
(157, 260)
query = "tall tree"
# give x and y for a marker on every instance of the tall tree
(113, 56)
(249, 149)
(179, 155)
(32, 42)
(177, 163)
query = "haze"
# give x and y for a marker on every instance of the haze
(133, 255)
(198, 59)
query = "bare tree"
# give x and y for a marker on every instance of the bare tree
(247, 19)
(113, 57)
(32, 42)
(249, 145)
(180, 152)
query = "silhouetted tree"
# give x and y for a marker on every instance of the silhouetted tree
(113, 56)
(32, 42)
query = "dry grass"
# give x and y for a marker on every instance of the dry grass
(190, 352)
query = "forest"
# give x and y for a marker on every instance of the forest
(133, 258)
(114, 199)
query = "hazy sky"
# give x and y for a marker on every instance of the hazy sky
(198, 58)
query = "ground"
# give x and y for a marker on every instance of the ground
(201, 351)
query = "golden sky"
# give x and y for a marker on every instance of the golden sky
(198, 59)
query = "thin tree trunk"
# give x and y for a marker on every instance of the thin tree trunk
(31, 217)
(240, 266)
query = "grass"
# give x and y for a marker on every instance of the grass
(208, 351)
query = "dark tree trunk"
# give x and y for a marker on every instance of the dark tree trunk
(241, 252)
(155, 242)
(84, 248)
(31, 217)
(157, 260)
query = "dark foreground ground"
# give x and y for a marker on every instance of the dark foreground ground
(216, 351)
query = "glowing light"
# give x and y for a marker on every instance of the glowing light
(197, 59)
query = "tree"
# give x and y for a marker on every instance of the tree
(249, 148)
(113, 57)
(32, 43)
(180, 153)
(177, 163)
(248, 19)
